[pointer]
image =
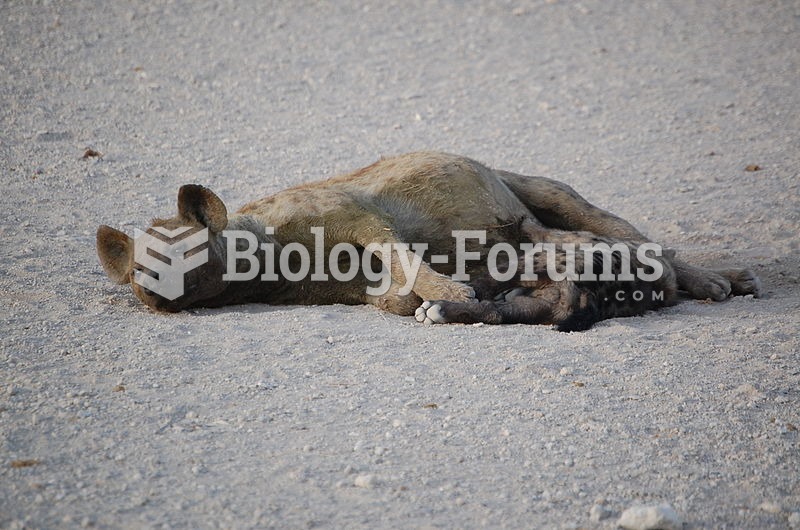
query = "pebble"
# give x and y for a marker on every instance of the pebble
(747, 391)
(365, 481)
(794, 520)
(598, 512)
(660, 517)
(770, 507)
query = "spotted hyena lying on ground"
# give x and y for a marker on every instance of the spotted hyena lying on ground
(421, 198)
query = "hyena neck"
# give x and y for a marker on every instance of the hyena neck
(257, 289)
(278, 290)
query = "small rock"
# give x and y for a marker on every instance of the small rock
(747, 392)
(598, 512)
(770, 507)
(365, 481)
(794, 520)
(661, 517)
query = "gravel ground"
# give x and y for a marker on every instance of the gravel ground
(343, 417)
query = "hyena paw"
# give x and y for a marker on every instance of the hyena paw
(430, 313)
(743, 282)
(445, 289)
(708, 284)
(458, 292)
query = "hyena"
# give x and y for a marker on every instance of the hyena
(413, 198)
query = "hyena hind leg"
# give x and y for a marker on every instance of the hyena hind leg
(717, 285)
(743, 281)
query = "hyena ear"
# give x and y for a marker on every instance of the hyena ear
(198, 203)
(115, 250)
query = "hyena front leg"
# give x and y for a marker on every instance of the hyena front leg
(409, 281)
(408, 269)
(394, 302)
(413, 275)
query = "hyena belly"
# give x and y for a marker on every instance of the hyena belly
(566, 290)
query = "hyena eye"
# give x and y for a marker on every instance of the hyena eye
(144, 289)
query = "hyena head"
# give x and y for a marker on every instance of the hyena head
(178, 262)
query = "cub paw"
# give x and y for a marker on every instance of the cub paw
(430, 313)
